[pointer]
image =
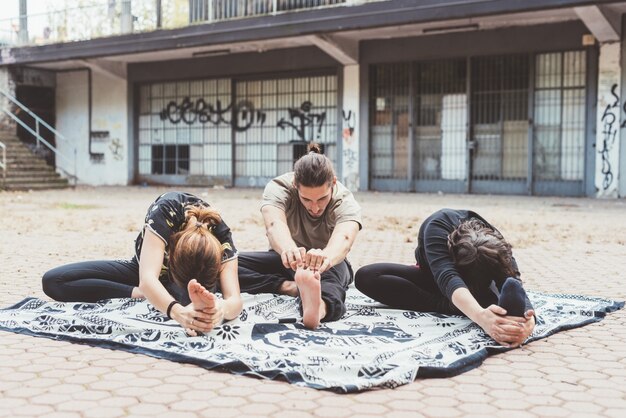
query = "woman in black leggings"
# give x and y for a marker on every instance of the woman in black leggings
(464, 267)
(183, 252)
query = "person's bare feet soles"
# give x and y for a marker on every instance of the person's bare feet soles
(200, 297)
(310, 289)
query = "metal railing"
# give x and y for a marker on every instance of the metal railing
(39, 139)
(3, 164)
(100, 19)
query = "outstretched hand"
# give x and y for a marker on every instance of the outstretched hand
(509, 331)
(193, 320)
(317, 260)
(293, 257)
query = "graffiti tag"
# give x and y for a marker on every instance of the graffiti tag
(241, 116)
(302, 118)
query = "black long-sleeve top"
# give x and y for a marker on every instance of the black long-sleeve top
(434, 258)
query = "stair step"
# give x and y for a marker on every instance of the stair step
(36, 186)
(34, 179)
(32, 174)
(29, 166)
(27, 170)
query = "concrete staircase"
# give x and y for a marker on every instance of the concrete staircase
(25, 169)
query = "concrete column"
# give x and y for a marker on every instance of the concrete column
(622, 132)
(608, 121)
(7, 84)
(126, 20)
(350, 127)
(23, 32)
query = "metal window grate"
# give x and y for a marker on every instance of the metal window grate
(295, 111)
(190, 128)
(559, 134)
(500, 87)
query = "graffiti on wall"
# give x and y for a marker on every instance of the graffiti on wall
(609, 134)
(302, 118)
(116, 149)
(349, 154)
(240, 116)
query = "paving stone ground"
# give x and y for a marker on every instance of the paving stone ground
(575, 245)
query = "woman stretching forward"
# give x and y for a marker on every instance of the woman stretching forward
(182, 250)
(463, 263)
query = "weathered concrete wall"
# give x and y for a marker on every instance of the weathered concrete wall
(105, 160)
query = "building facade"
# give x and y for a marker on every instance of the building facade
(499, 97)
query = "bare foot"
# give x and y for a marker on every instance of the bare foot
(313, 307)
(288, 288)
(200, 297)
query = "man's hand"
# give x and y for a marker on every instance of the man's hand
(317, 260)
(293, 258)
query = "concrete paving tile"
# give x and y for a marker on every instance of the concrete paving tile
(181, 414)
(614, 412)
(369, 409)
(258, 409)
(511, 404)
(550, 411)
(477, 408)
(308, 406)
(335, 400)
(169, 388)
(50, 399)
(76, 406)
(474, 397)
(292, 414)
(193, 406)
(147, 409)
(12, 402)
(401, 405)
(405, 414)
(612, 403)
(131, 390)
(90, 395)
(23, 392)
(583, 406)
(17, 376)
(63, 414)
(328, 411)
(119, 401)
(515, 414)
(435, 411)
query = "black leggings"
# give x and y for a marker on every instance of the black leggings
(91, 281)
(263, 272)
(402, 286)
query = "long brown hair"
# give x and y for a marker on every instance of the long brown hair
(313, 169)
(195, 253)
(478, 249)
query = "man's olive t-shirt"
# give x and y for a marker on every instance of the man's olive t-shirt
(307, 231)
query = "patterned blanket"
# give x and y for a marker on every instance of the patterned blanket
(369, 347)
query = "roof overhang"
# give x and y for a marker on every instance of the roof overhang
(336, 30)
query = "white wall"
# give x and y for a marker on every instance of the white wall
(109, 113)
(350, 128)
(608, 121)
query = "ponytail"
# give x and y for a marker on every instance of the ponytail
(313, 169)
(195, 253)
